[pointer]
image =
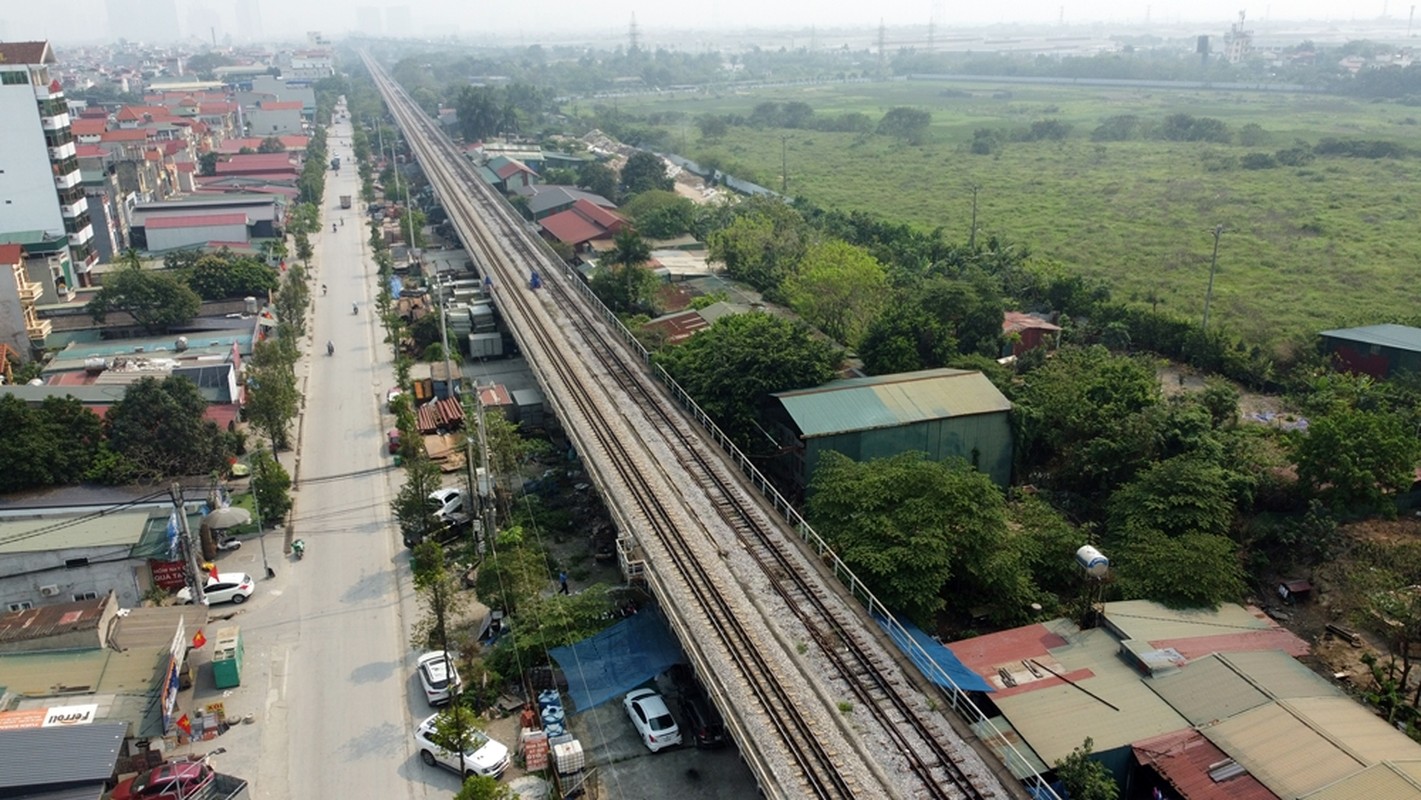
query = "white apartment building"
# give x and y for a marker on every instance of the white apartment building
(42, 202)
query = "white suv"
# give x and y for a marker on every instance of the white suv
(443, 502)
(484, 756)
(438, 676)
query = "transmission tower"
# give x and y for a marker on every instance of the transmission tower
(633, 35)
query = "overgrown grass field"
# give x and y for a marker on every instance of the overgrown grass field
(1304, 248)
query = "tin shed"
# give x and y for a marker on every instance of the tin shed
(946, 413)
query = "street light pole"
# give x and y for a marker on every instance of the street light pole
(784, 164)
(261, 528)
(1213, 265)
(972, 234)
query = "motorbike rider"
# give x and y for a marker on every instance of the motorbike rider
(330, 348)
(355, 308)
(323, 288)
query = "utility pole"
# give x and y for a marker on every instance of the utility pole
(261, 528)
(784, 164)
(972, 234)
(1213, 265)
(882, 52)
(195, 576)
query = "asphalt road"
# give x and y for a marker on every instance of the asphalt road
(327, 638)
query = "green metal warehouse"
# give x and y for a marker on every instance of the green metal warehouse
(946, 413)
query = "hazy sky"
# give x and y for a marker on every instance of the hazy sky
(530, 20)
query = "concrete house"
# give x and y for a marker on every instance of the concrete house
(946, 413)
(271, 118)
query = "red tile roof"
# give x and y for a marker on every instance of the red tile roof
(598, 215)
(11, 254)
(268, 105)
(141, 113)
(130, 135)
(207, 109)
(89, 150)
(26, 53)
(88, 127)
(679, 327)
(513, 168)
(1183, 759)
(195, 221)
(1238, 642)
(572, 228)
(187, 166)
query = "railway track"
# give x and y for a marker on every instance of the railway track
(922, 755)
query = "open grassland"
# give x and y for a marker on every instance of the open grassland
(1305, 248)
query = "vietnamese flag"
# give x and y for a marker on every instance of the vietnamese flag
(185, 724)
(199, 640)
(212, 570)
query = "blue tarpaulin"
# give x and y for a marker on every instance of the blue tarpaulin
(618, 659)
(396, 286)
(939, 659)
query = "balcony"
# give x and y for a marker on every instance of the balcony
(67, 180)
(55, 123)
(39, 329)
(29, 291)
(79, 207)
(63, 151)
(83, 237)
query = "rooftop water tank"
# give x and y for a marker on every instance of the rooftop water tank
(250, 304)
(1093, 561)
(181, 344)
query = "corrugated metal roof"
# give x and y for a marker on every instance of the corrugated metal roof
(38, 623)
(28, 755)
(1148, 620)
(1184, 758)
(119, 529)
(886, 401)
(1288, 756)
(1279, 674)
(998, 734)
(1055, 718)
(1208, 690)
(1410, 767)
(1400, 337)
(1373, 783)
(196, 221)
(1355, 727)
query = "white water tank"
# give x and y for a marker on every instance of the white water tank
(181, 344)
(250, 304)
(94, 365)
(1093, 561)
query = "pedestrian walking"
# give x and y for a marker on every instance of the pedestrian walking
(562, 580)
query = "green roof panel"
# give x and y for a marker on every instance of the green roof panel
(885, 401)
(1399, 337)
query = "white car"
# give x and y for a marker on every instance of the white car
(438, 676)
(443, 502)
(227, 587)
(485, 756)
(652, 719)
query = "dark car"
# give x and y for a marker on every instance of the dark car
(173, 781)
(703, 722)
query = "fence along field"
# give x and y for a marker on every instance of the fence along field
(1305, 247)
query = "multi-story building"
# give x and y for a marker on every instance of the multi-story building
(19, 324)
(41, 188)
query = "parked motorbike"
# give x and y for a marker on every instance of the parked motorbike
(298, 548)
(355, 308)
(333, 227)
(229, 543)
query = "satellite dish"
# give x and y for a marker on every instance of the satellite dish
(1093, 561)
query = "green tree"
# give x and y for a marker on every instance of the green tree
(712, 126)
(1193, 570)
(272, 397)
(159, 427)
(271, 484)
(512, 573)
(907, 124)
(733, 367)
(839, 288)
(217, 276)
(623, 283)
(207, 164)
(644, 171)
(437, 590)
(928, 323)
(661, 214)
(762, 244)
(1184, 494)
(598, 178)
(482, 787)
(1356, 461)
(411, 503)
(271, 144)
(907, 526)
(155, 300)
(1084, 777)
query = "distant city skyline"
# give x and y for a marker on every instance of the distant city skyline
(534, 20)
